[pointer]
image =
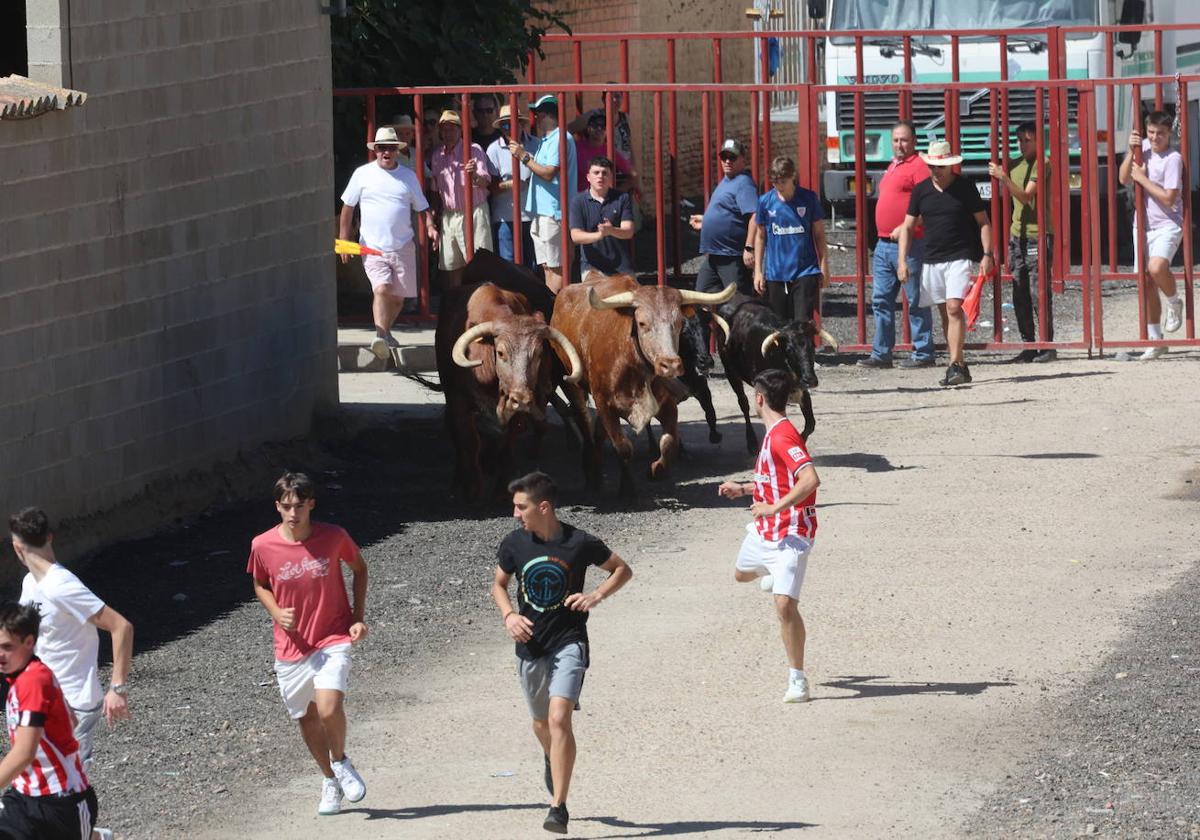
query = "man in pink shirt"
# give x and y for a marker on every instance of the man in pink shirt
(297, 574)
(450, 175)
(895, 188)
(591, 142)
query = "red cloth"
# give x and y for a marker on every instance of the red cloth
(971, 301)
(307, 577)
(781, 458)
(895, 189)
(35, 699)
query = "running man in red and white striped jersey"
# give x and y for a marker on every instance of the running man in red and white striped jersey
(50, 798)
(779, 540)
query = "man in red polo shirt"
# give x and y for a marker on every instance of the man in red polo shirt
(895, 190)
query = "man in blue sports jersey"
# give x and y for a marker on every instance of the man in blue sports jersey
(789, 247)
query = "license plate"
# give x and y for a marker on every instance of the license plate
(985, 189)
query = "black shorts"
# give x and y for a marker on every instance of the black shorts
(70, 817)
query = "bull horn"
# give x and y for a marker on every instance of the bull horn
(722, 323)
(459, 353)
(691, 298)
(829, 340)
(611, 302)
(576, 372)
(768, 341)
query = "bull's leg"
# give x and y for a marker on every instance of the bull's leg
(810, 421)
(703, 396)
(465, 434)
(668, 443)
(588, 434)
(616, 436)
(740, 392)
(565, 412)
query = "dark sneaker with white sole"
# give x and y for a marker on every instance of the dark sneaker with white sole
(956, 374)
(910, 364)
(556, 819)
(1049, 355)
(1024, 357)
(874, 362)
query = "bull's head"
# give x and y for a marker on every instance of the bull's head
(518, 344)
(658, 313)
(795, 342)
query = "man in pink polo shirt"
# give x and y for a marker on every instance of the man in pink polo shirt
(895, 189)
(450, 175)
(297, 571)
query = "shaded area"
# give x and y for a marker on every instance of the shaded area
(675, 829)
(1055, 456)
(868, 461)
(867, 687)
(421, 812)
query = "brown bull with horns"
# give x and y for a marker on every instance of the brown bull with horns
(628, 337)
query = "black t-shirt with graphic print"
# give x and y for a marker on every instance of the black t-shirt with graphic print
(547, 572)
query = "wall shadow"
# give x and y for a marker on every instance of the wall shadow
(866, 687)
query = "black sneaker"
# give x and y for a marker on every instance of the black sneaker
(548, 777)
(1024, 357)
(556, 819)
(909, 364)
(1046, 356)
(956, 374)
(965, 371)
(874, 362)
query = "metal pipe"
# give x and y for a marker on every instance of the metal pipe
(1139, 226)
(720, 102)
(1185, 140)
(673, 150)
(1044, 189)
(518, 225)
(998, 155)
(706, 147)
(1111, 150)
(577, 72)
(467, 182)
(564, 192)
(422, 237)
(659, 221)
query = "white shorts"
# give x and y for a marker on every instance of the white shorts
(395, 271)
(453, 244)
(785, 561)
(326, 668)
(547, 241)
(945, 280)
(1161, 242)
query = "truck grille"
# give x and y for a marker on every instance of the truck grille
(881, 110)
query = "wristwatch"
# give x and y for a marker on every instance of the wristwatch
(527, 158)
(120, 689)
(988, 254)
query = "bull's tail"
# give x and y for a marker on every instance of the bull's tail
(428, 383)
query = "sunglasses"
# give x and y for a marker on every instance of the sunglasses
(383, 150)
(730, 158)
(430, 123)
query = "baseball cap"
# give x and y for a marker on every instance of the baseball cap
(547, 102)
(731, 147)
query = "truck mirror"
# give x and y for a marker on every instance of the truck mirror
(1133, 13)
(816, 9)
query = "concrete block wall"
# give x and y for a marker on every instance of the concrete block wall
(167, 287)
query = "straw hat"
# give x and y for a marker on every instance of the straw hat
(450, 117)
(387, 136)
(940, 155)
(505, 114)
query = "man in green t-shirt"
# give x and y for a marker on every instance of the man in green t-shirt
(1021, 181)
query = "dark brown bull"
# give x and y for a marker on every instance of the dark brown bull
(496, 376)
(628, 337)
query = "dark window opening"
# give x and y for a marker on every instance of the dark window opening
(14, 51)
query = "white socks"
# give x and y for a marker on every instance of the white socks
(1154, 331)
(795, 673)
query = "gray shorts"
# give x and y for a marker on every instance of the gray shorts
(558, 674)
(85, 724)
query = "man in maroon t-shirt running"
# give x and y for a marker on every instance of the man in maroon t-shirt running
(297, 574)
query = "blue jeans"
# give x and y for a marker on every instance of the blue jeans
(502, 235)
(885, 288)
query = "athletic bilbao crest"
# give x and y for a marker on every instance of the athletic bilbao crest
(544, 583)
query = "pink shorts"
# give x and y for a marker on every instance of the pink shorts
(395, 270)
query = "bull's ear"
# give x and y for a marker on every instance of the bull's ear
(689, 311)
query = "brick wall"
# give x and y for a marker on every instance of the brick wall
(166, 282)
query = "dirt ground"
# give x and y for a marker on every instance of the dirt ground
(980, 551)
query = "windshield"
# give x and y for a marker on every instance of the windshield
(910, 16)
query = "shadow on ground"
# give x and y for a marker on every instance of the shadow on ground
(676, 829)
(868, 687)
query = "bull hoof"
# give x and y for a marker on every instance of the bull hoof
(658, 471)
(714, 436)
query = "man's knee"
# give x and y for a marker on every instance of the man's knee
(328, 704)
(953, 307)
(788, 609)
(559, 720)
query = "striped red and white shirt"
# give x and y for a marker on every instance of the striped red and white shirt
(780, 460)
(35, 699)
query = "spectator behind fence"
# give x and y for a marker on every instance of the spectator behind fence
(386, 194)
(602, 223)
(1021, 181)
(591, 142)
(429, 124)
(450, 174)
(406, 133)
(790, 254)
(542, 200)
(1160, 176)
(895, 190)
(956, 232)
(728, 250)
(500, 167)
(483, 120)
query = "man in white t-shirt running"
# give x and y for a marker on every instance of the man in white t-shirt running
(68, 641)
(386, 194)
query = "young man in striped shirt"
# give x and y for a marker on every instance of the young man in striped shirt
(778, 541)
(50, 798)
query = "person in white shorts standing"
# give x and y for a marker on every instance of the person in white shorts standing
(297, 572)
(386, 194)
(1160, 176)
(68, 641)
(957, 232)
(780, 538)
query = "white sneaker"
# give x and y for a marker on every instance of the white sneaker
(331, 798)
(797, 690)
(351, 783)
(103, 833)
(1152, 353)
(1174, 315)
(767, 583)
(379, 347)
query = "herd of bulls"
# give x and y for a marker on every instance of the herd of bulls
(636, 350)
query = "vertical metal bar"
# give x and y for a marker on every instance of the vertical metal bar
(564, 191)
(860, 210)
(765, 113)
(659, 221)
(1184, 149)
(906, 94)
(370, 123)
(518, 225)
(952, 129)
(1089, 233)
(609, 128)
(422, 235)
(1139, 228)
(1158, 68)
(1002, 255)
(577, 74)
(720, 103)
(625, 73)
(1044, 189)
(1111, 148)
(706, 145)
(673, 150)
(816, 148)
(1097, 309)
(466, 182)
(810, 60)
(754, 171)
(803, 138)
(998, 155)
(531, 68)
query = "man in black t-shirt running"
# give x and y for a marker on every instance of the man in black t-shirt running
(550, 560)
(956, 232)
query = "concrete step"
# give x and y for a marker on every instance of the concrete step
(415, 354)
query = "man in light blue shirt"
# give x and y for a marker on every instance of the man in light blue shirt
(542, 200)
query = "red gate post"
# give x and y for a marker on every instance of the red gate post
(1060, 157)
(1110, 143)
(564, 192)
(423, 275)
(1139, 227)
(673, 151)
(531, 68)
(860, 209)
(1097, 268)
(1044, 189)
(514, 133)
(999, 155)
(659, 221)
(720, 100)
(1090, 233)
(906, 94)
(706, 147)
(1003, 258)
(1184, 148)
(1158, 69)
(817, 148)
(609, 130)
(765, 67)
(577, 74)
(754, 150)
(467, 182)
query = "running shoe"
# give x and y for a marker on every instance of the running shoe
(1049, 355)
(767, 583)
(1174, 315)
(391, 340)
(548, 777)
(379, 347)
(956, 374)
(1152, 353)
(556, 819)
(348, 779)
(912, 364)
(331, 798)
(874, 362)
(103, 833)
(797, 690)
(1024, 357)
